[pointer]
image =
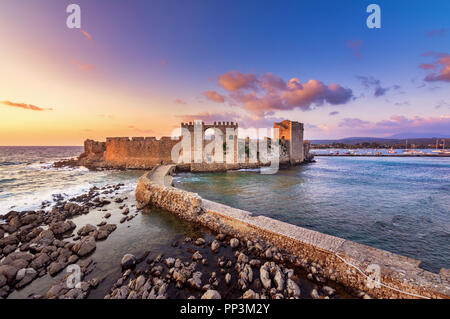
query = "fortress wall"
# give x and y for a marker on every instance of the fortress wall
(138, 152)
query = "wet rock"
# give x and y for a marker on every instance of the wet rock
(182, 274)
(187, 239)
(128, 261)
(56, 267)
(249, 294)
(9, 272)
(211, 294)
(215, 246)
(139, 283)
(107, 215)
(126, 211)
(86, 230)
(123, 219)
(234, 243)
(278, 279)
(328, 291)
(170, 262)
(255, 263)
(242, 258)
(227, 278)
(9, 240)
(9, 249)
(104, 231)
(196, 280)
(3, 281)
(56, 290)
(199, 242)
(72, 259)
(264, 274)
(61, 227)
(314, 294)
(25, 276)
(85, 246)
(40, 261)
(292, 288)
(197, 256)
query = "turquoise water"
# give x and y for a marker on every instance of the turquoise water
(398, 204)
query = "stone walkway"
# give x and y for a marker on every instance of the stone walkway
(162, 175)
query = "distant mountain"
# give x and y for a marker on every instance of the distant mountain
(388, 141)
(419, 135)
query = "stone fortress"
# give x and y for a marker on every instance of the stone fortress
(226, 151)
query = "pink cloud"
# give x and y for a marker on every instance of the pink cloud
(83, 66)
(214, 96)
(398, 124)
(86, 34)
(441, 67)
(235, 80)
(268, 93)
(30, 107)
(179, 101)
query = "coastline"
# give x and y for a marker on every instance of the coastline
(401, 277)
(102, 274)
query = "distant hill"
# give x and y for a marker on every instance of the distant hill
(383, 141)
(418, 135)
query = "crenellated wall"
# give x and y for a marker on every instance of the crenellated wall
(146, 152)
(123, 152)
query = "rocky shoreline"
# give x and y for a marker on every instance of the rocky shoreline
(37, 246)
(242, 270)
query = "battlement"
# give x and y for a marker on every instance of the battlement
(146, 152)
(220, 124)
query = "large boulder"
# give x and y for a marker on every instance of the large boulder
(9, 272)
(25, 276)
(234, 242)
(86, 230)
(128, 261)
(41, 260)
(9, 240)
(85, 246)
(59, 228)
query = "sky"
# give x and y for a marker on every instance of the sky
(139, 68)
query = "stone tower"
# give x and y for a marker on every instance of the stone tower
(291, 132)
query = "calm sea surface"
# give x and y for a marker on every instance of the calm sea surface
(398, 204)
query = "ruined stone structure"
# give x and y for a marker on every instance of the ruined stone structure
(224, 145)
(291, 135)
(196, 152)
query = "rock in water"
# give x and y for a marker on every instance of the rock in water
(234, 242)
(85, 246)
(85, 230)
(215, 245)
(128, 261)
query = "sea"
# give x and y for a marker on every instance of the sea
(400, 204)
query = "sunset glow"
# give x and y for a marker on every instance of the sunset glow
(141, 69)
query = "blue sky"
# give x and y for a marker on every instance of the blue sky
(147, 65)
